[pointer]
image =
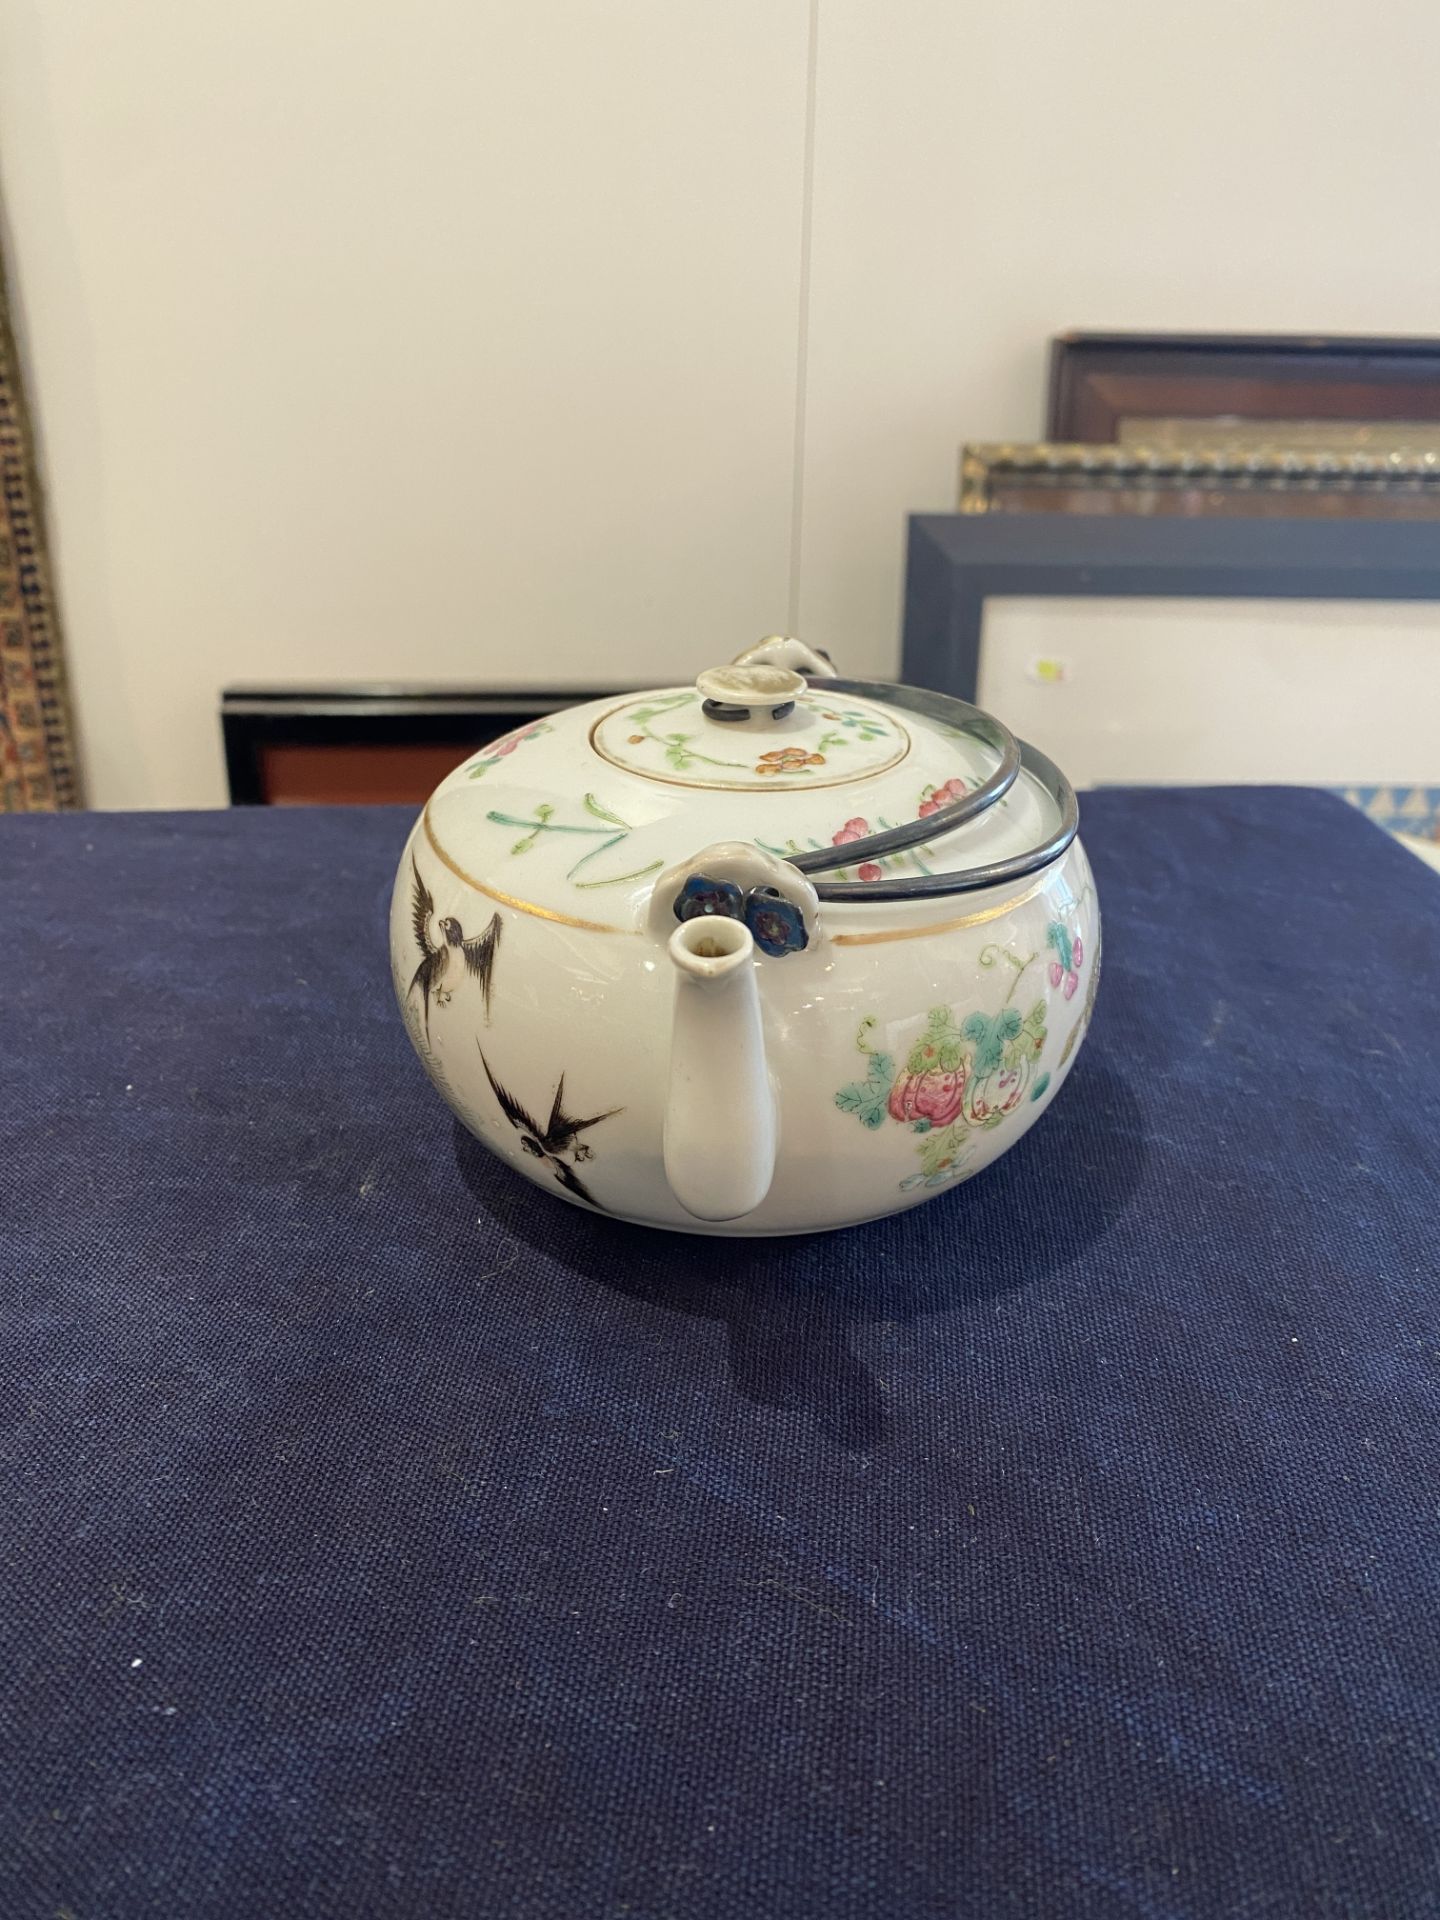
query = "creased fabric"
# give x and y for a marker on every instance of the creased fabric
(379, 1537)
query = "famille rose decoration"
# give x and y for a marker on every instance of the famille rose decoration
(773, 953)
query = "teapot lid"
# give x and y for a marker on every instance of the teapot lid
(752, 730)
(879, 792)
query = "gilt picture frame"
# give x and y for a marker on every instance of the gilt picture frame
(1055, 477)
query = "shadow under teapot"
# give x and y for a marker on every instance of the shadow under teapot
(788, 1304)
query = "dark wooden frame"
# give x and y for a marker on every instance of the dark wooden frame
(254, 718)
(956, 562)
(1098, 379)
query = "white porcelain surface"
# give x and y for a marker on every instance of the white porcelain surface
(896, 1054)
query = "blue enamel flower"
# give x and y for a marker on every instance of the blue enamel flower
(701, 895)
(778, 926)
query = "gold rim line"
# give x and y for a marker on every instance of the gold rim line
(741, 786)
(977, 919)
(509, 899)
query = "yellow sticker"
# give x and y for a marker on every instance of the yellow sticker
(1049, 671)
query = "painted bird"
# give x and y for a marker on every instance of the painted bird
(442, 968)
(550, 1143)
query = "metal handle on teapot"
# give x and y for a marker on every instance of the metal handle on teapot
(946, 710)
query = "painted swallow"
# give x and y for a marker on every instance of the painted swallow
(550, 1143)
(442, 968)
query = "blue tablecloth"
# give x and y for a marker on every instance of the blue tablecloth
(380, 1537)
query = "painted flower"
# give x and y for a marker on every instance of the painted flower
(788, 760)
(928, 1100)
(778, 926)
(857, 829)
(937, 797)
(701, 895)
(1064, 969)
(508, 742)
(961, 1078)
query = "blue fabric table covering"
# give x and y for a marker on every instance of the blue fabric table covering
(383, 1538)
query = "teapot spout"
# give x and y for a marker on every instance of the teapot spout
(720, 1123)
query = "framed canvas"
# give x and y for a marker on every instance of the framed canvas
(1337, 393)
(1208, 650)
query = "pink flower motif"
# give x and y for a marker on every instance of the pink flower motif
(1055, 972)
(939, 797)
(936, 1096)
(856, 829)
(1077, 951)
(509, 741)
(1072, 980)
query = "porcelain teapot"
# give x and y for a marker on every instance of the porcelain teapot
(771, 953)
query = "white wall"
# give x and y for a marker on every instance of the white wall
(459, 341)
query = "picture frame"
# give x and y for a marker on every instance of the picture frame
(1058, 477)
(1206, 651)
(39, 760)
(956, 563)
(349, 744)
(1359, 394)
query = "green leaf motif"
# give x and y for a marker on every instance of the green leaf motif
(866, 1098)
(619, 879)
(643, 715)
(603, 837)
(939, 1151)
(1030, 1037)
(988, 1034)
(1057, 935)
(940, 1046)
(593, 806)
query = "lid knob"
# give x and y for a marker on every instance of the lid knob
(743, 692)
(783, 650)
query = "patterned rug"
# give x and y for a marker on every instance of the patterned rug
(1413, 811)
(38, 768)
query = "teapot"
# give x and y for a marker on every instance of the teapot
(775, 952)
